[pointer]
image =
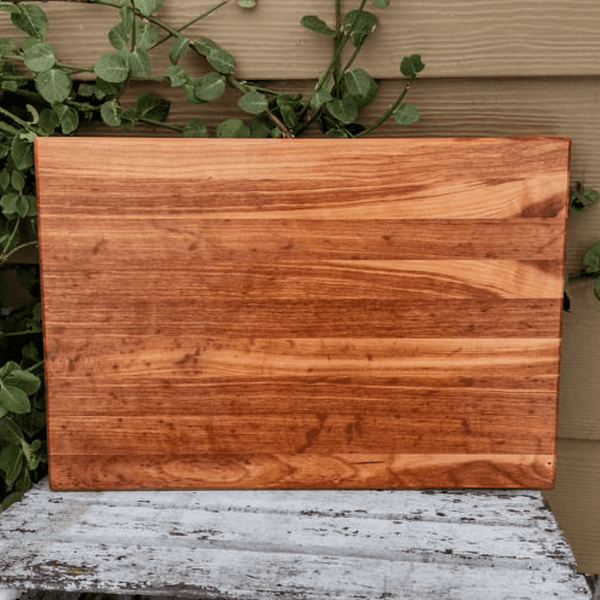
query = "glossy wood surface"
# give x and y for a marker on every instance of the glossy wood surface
(304, 313)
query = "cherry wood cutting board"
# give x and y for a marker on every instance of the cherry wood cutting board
(380, 313)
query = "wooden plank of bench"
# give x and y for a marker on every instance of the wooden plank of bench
(309, 544)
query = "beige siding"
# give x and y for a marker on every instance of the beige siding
(458, 38)
(574, 501)
(518, 67)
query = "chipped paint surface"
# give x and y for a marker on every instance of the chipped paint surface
(293, 544)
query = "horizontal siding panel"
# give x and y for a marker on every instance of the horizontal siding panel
(574, 500)
(580, 379)
(457, 38)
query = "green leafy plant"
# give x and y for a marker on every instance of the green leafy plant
(580, 199)
(42, 95)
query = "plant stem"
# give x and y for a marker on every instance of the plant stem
(133, 26)
(387, 114)
(357, 49)
(8, 128)
(337, 38)
(17, 333)
(177, 128)
(189, 23)
(16, 119)
(5, 257)
(35, 366)
(286, 131)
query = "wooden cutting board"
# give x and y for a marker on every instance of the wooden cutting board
(380, 313)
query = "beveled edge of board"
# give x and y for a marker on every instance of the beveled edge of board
(303, 471)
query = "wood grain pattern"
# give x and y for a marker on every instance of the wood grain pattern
(254, 313)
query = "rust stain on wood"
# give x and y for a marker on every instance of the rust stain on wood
(305, 313)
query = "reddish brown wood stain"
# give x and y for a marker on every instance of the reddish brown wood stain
(302, 313)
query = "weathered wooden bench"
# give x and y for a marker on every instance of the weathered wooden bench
(310, 544)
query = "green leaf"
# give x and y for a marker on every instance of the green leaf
(146, 35)
(111, 113)
(360, 24)
(68, 118)
(49, 121)
(10, 431)
(54, 85)
(178, 48)
(317, 25)
(139, 61)
(260, 126)
(21, 152)
(253, 102)
(26, 381)
(32, 20)
(597, 288)
(411, 66)
(17, 180)
(40, 57)
(221, 60)
(7, 47)
(112, 67)
(151, 107)
(205, 46)
(289, 115)
(339, 132)
(233, 128)
(211, 87)
(126, 13)
(320, 98)
(246, 3)
(11, 462)
(147, 7)
(5, 178)
(344, 110)
(381, 3)
(14, 399)
(591, 258)
(26, 449)
(11, 499)
(106, 88)
(8, 204)
(360, 85)
(178, 75)
(128, 118)
(30, 351)
(9, 8)
(195, 128)
(118, 36)
(406, 115)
